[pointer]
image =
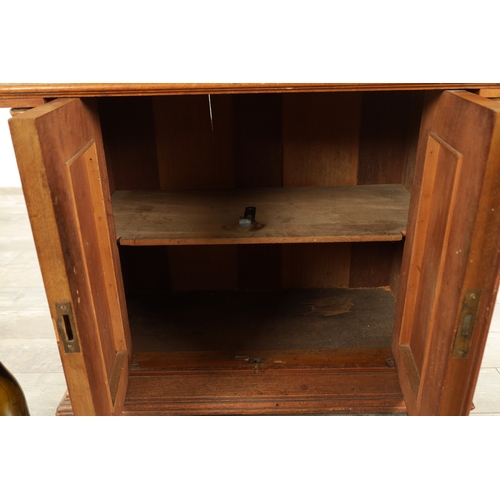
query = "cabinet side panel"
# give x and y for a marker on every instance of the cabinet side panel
(195, 151)
(129, 142)
(258, 148)
(49, 250)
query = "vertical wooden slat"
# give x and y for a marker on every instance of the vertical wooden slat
(321, 139)
(145, 269)
(319, 265)
(396, 267)
(414, 118)
(210, 267)
(383, 137)
(371, 264)
(259, 267)
(194, 146)
(258, 148)
(320, 144)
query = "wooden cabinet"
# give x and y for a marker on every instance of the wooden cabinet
(365, 283)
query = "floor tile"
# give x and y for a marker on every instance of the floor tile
(7, 255)
(33, 298)
(473, 414)
(43, 391)
(10, 294)
(487, 396)
(13, 274)
(491, 358)
(30, 355)
(495, 320)
(30, 323)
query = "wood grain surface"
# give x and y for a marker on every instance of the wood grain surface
(12, 90)
(284, 215)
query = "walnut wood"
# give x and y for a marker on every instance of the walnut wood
(194, 141)
(267, 351)
(258, 145)
(319, 265)
(22, 102)
(454, 157)
(59, 149)
(51, 90)
(163, 363)
(321, 139)
(256, 380)
(325, 392)
(339, 214)
(212, 267)
(371, 264)
(489, 92)
(128, 133)
(281, 382)
(145, 269)
(384, 136)
(259, 267)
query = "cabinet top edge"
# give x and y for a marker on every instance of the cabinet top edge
(51, 90)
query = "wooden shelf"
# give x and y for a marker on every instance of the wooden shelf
(284, 215)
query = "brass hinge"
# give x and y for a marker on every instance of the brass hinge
(66, 327)
(463, 337)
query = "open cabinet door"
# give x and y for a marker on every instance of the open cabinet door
(62, 166)
(451, 262)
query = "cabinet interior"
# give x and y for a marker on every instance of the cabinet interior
(306, 296)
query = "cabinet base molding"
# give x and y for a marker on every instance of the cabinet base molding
(312, 390)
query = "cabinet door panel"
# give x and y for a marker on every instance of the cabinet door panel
(61, 161)
(451, 255)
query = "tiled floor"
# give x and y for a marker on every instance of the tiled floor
(27, 342)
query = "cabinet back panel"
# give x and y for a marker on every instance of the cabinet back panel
(261, 140)
(257, 147)
(261, 267)
(128, 133)
(320, 265)
(321, 139)
(194, 141)
(383, 137)
(145, 269)
(210, 267)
